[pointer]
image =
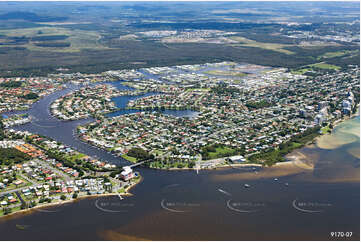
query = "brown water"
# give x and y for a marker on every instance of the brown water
(322, 195)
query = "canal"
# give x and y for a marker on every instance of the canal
(288, 202)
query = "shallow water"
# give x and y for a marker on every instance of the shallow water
(302, 204)
(344, 133)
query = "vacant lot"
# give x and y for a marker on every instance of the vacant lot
(70, 40)
(268, 46)
(322, 65)
(220, 152)
(225, 73)
(337, 54)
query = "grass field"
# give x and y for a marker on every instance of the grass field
(76, 157)
(268, 46)
(220, 152)
(225, 73)
(336, 54)
(129, 158)
(302, 71)
(323, 65)
(78, 39)
(320, 65)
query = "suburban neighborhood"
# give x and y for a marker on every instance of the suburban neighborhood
(35, 170)
(252, 117)
(243, 114)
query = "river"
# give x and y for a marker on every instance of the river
(288, 202)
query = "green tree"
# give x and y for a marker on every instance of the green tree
(23, 206)
(139, 153)
(31, 96)
(7, 210)
(32, 204)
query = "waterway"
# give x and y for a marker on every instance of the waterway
(289, 202)
(122, 101)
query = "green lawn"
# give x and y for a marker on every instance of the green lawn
(129, 158)
(158, 152)
(76, 157)
(295, 145)
(13, 186)
(336, 54)
(301, 71)
(322, 65)
(12, 210)
(220, 152)
(121, 190)
(28, 198)
(325, 129)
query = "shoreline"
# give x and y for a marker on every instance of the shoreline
(339, 121)
(45, 205)
(334, 123)
(223, 166)
(213, 168)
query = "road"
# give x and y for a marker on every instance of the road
(12, 190)
(33, 183)
(55, 170)
(21, 199)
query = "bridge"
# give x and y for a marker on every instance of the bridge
(139, 163)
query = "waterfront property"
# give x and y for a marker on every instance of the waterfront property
(35, 170)
(253, 118)
(20, 93)
(262, 117)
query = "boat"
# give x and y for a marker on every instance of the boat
(222, 191)
(276, 179)
(247, 185)
(21, 227)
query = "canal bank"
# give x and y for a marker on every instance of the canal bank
(197, 210)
